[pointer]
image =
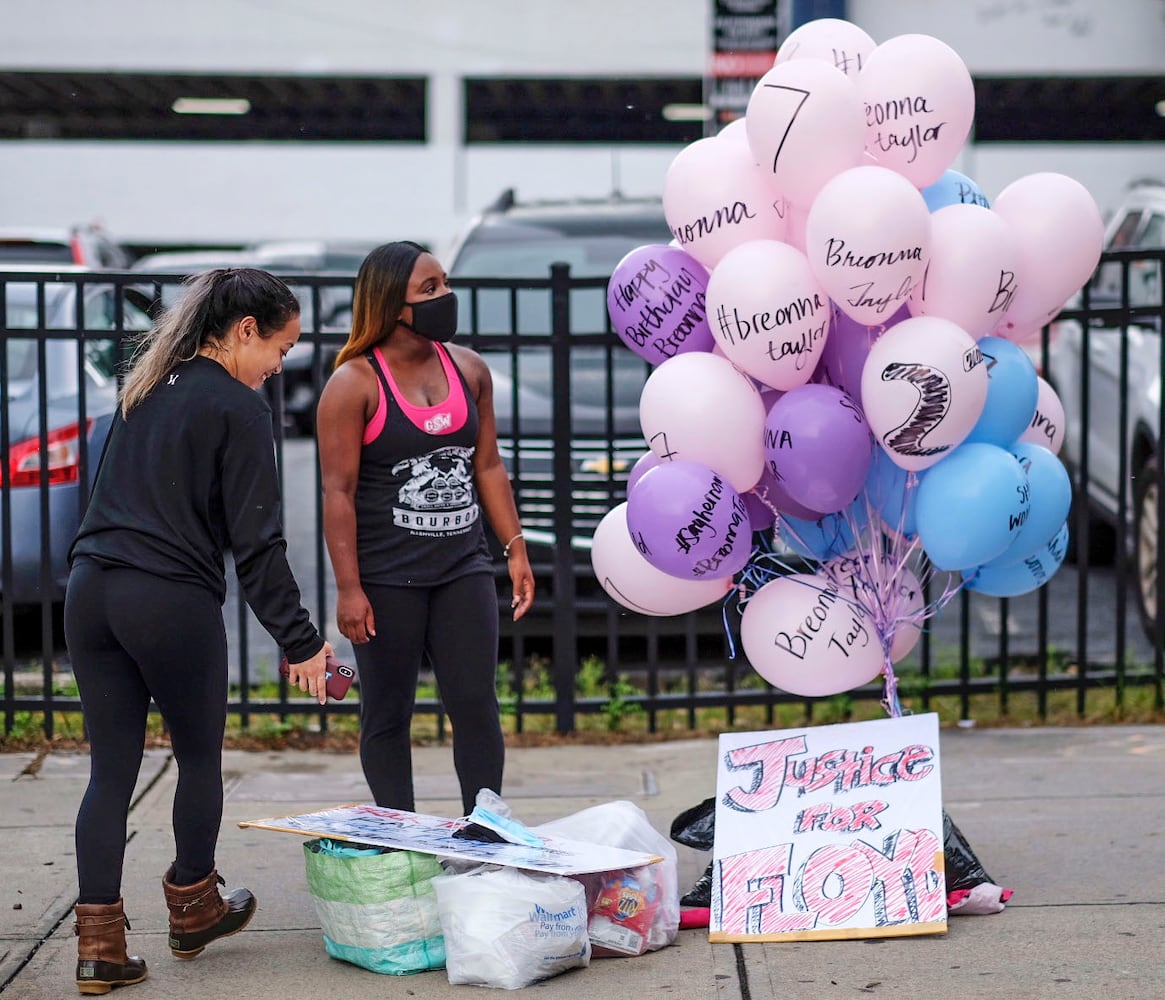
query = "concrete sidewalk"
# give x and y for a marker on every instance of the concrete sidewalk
(1072, 819)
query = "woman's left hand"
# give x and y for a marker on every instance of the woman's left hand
(522, 578)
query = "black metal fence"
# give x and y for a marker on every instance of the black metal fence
(566, 394)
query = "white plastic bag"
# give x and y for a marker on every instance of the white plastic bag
(510, 928)
(617, 900)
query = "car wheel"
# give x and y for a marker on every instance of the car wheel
(1146, 528)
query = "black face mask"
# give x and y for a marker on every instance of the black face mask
(434, 319)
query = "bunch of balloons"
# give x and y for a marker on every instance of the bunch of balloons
(837, 336)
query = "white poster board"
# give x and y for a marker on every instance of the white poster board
(409, 831)
(829, 832)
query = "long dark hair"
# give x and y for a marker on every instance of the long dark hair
(382, 286)
(211, 304)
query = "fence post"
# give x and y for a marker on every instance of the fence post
(565, 641)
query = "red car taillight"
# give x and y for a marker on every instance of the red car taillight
(64, 454)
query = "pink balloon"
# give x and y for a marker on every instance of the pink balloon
(919, 103)
(972, 273)
(840, 43)
(1047, 426)
(804, 125)
(923, 388)
(1060, 235)
(769, 315)
(801, 634)
(701, 408)
(891, 594)
(638, 586)
(715, 197)
(868, 240)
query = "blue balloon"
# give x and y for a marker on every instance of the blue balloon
(953, 188)
(970, 506)
(1051, 499)
(890, 494)
(829, 536)
(1013, 389)
(1018, 578)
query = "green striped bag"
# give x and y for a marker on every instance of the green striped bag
(377, 910)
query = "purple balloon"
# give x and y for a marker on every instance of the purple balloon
(769, 487)
(760, 516)
(647, 461)
(689, 522)
(846, 349)
(818, 443)
(655, 299)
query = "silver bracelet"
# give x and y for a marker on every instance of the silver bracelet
(506, 547)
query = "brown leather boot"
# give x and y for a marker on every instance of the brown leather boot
(101, 959)
(199, 915)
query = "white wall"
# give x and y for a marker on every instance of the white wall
(211, 192)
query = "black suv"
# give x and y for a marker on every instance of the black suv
(500, 268)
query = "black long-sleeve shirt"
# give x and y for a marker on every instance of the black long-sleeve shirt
(190, 474)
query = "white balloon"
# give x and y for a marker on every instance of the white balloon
(971, 277)
(768, 313)
(804, 124)
(802, 634)
(840, 43)
(634, 583)
(699, 407)
(868, 240)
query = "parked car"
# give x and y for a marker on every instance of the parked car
(24, 478)
(1138, 225)
(514, 239)
(84, 246)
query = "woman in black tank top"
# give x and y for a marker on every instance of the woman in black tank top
(410, 462)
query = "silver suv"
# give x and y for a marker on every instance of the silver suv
(1123, 306)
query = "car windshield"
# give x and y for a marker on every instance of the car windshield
(31, 252)
(588, 257)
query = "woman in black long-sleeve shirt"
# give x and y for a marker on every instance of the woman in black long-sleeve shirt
(188, 473)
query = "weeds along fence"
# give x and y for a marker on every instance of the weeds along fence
(566, 395)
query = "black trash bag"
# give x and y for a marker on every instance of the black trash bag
(964, 870)
(695, 827)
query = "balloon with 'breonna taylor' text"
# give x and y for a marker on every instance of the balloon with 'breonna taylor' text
(655, 299)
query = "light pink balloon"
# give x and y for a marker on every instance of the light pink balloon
(638, 586)
(795, 219)
(699, 407)
(972, 273)
(715, 197)
(840, 43)
(924, 385)
(1047, 426)
(802, 636)
(1060, 235)
(768, 313)
(804, 124)
(890, 593)
(868, 241)
(646, 462)
(919, 105)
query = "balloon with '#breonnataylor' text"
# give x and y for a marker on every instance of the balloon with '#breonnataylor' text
(715, 197)
(1047, 426)
(971, 277)
(769, 314)
(802, 635)
(688, 521)
(655, 299)
(699, 407)
(920, 103)
(867, 239)
(804, 125)
(840, 43)
(923, 389)
(638, 586)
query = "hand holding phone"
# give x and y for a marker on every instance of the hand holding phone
(337, 679)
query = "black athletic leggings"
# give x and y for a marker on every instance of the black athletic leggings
(456, 624)
(132, 636)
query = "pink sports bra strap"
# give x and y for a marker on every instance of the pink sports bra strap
(443, 418)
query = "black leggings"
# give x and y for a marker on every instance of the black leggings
(456, 624)
(132, 636)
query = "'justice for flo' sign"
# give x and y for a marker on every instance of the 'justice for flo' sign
(829, 832)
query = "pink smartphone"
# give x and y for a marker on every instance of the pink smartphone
(336, 681)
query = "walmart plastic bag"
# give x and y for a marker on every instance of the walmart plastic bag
(509, 928)
(377, 908)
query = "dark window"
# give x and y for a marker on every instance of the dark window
(141, 106)
(1069, 109)
(586, 109)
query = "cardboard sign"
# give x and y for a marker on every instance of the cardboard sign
(408, 831)
(829, 832)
